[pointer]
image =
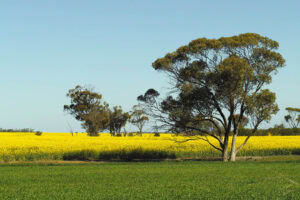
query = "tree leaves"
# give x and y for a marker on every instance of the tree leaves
(218, 81)
(87, 107)
(293, 118)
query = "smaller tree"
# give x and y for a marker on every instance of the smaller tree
(138, 117)
(279, 126)
(96, 120)
(86, 106)
(117, 120)
(293, 117)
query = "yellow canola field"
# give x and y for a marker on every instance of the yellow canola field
(28, 146)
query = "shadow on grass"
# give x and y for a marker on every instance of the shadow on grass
(119, 155)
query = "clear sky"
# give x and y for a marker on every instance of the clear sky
(48, 47)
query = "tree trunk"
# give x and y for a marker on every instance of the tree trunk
(232, 156)
(141, 126)
(225, 149)
(233, 152)
(93, 133)
(225, 154)
(112, 133)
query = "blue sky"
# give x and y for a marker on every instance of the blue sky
(48, 47)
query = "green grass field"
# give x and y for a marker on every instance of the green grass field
(151, 180)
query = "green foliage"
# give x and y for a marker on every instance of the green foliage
(280, 131)
(261, 106)
(117, 120)
(217, 82)
(86, 106)
(95, 115)
(293, 117)
(138, 117)
(284, 131)
(293, 109)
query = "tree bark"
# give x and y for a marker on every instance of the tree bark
(112, 133)
(225, 149)
(233, 151)
(225, 154)
(233, 156)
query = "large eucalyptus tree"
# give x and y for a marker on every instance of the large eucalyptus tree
(216, 84)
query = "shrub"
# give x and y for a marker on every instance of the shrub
(156, 134)
(130, 134)
(38, 133)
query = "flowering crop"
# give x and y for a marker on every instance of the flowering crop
(28, 146)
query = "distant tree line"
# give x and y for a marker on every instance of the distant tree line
(271, 131)
(17, 130)
(277, 130)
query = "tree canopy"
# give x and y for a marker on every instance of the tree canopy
(95, 115)
(293, 117)
(138, 117)
(117, 120)
(215, 85)
(87, 107)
